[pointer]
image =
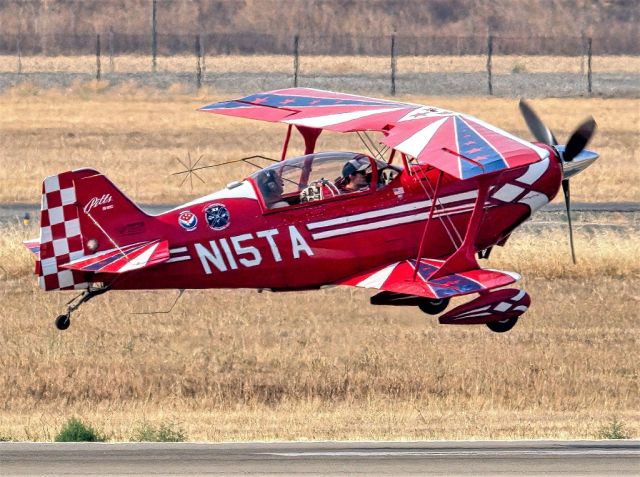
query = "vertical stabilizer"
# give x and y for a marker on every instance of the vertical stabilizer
(82, 215)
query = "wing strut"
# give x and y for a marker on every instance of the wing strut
(426, 227)
(464, 258)
(444, 220)
(310, 136)
(286, 143)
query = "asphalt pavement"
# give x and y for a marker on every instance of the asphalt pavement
(325, 458)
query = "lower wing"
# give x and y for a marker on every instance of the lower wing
(402, 277)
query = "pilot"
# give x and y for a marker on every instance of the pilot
(271, 185)
(355, 175)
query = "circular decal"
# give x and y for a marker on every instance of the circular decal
(188, 220)
(217, 216)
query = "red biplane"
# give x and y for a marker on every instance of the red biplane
(408, 218)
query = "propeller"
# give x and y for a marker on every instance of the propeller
(576, 144)
(541, 132)
(578, 141)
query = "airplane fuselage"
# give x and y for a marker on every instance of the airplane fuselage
(229, 239)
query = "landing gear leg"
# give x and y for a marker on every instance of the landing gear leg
(64, 321)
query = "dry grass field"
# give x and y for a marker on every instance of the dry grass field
(135, 135)
(310, 65)
(236, 365)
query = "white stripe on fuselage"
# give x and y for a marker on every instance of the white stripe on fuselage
(179, 259)
(242, 191)
(534, 172)
(178, 250)
(391, 210)
(391, 222)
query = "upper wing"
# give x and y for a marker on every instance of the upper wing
(313, 108)
(460, 145)
(398, 278)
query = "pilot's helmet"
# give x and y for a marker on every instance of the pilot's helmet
(270, 182)
(357, 164)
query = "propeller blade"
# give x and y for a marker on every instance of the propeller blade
(541, 132)
(567, 202)
(579, 139)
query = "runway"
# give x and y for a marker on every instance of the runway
(325, 458)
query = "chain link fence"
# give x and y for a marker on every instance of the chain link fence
(392, 64)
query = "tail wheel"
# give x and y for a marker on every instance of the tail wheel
(433, 307)
(63, 322)
(503, 325)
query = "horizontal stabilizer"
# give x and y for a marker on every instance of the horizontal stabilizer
(123, 259)
(398, 277)
(33, 246)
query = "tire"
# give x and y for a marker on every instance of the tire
(502, 326)
(63, 322)
(433, 307)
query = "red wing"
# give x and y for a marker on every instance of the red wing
(314, 108)
(398, 278)
(460, 145)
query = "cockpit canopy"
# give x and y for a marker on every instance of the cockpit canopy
(314, 177)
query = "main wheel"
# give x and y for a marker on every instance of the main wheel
(63, 322)
(433, 307)
(502, 326)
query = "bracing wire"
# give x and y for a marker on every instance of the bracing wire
(436, 203)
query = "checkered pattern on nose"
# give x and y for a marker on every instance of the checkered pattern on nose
(60, 236)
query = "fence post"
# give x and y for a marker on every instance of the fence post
(589, 84)
(203, 57)
(393, 65)
(489, 59)
(199, 66)
(583, 53)
(19, 55)
(296, 59)
(110, 49)
(154, 39)
(98, 72)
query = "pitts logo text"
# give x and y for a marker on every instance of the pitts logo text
(97, 201)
